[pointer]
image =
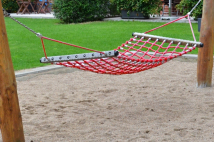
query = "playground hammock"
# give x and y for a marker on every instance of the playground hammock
(139, 53)
(142, 52)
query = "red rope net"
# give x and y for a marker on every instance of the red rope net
(135, 55)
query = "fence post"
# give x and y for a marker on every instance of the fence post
(205, 54)
(10, 115)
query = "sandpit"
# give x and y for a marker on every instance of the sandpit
(161, 104)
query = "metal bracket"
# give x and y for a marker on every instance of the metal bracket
(39, 35)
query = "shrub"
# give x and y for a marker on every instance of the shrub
(113, 8)
(10, 5)
(187, 5)
(75, 11)
(146, 7)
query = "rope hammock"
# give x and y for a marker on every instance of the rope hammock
(142, 52)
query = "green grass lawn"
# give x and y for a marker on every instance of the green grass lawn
(26, 48)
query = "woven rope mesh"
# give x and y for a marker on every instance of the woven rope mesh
(136, 55)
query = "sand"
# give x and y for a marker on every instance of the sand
(161, 104)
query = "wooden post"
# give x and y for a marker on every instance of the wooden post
(205, 54)
(10, 115)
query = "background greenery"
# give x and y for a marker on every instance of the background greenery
(90, 10)
(146, 7)
(26, 48)
(10, 5)
(75, 11)
(112, 8)
(187, 5)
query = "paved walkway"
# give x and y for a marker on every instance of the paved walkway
(32, 15)
(152, 19)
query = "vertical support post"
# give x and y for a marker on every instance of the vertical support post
(205, 54)
(10, 115)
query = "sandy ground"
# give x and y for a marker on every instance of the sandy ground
(161, 104)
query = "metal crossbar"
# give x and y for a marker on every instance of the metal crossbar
(77, 57)
(168, 40)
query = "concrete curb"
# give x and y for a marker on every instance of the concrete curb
(189, 56)
(36, 70)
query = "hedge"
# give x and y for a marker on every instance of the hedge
(10, 5)
(75, 11)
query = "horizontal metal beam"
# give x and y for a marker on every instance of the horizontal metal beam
(76, 57)
(168, 40)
